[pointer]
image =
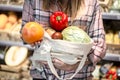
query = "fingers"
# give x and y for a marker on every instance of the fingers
(35, 43)
(32, 45)
(63, 66)
(58, 62)
(44, 62)
(59, 65)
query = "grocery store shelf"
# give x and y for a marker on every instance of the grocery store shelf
(111, 16)
(18, 8)
(109, 56)
(112, 57)
(8, 7)
(11, 43)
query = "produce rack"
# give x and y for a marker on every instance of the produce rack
(11, 43)
(8, 7)
(18, 8)
(111, 16)
(15, 73)
(112, 57)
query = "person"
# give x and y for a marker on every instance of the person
(84, 13)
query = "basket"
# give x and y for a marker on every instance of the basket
(66, 51)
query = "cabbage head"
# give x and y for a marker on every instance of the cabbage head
(75, 34)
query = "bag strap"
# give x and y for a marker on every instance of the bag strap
(53, 70)
(50, 64)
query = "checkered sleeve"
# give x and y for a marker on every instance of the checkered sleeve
(97, 33)
(27, 13)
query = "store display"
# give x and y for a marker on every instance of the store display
(10, 25)
(13, 2)
(112, 73)
(20, 72)
(104, 69)
(12, 17)
(15, 55)
(16, 2)
(106, 5)
(113, 39)
(116, 5)
(3, 1)
(118, 72)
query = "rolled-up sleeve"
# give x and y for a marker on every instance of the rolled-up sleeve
(97, 33)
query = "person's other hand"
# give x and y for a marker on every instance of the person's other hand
(60, 64)
(63, 66)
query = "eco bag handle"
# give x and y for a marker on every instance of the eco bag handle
(52, 68)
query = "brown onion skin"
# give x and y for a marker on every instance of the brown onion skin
(57, 35)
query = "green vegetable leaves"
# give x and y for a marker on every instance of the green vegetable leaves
(75, 34)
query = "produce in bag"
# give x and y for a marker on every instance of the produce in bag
(70, 50)
(75, 34)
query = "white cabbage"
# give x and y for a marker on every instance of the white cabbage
(75, 34)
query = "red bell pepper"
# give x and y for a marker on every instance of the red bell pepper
(111, 74)
(59, 20)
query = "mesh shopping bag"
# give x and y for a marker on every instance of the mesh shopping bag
(66, 51)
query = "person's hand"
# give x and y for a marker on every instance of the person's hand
(35, 43)
(63, 66)
(60, 65)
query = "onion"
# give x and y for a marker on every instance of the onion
(57, 35)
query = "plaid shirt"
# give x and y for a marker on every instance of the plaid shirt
(92, 19)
